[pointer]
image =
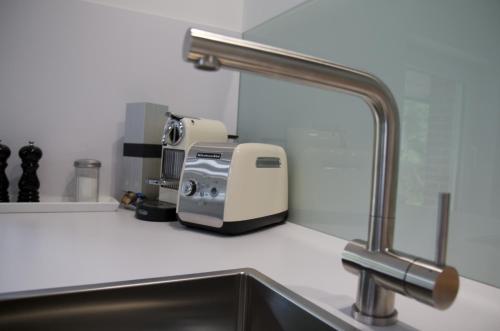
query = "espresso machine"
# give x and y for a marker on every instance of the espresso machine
(179, 133)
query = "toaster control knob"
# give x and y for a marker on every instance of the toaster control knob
(189, 188)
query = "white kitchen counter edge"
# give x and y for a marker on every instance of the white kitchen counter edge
(64, 249)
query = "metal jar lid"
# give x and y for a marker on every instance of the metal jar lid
(87, 163)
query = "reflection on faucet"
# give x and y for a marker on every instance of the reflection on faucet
(427, 281)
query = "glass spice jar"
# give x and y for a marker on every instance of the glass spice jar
(87, 180)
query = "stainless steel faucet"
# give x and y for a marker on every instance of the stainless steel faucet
(382, 271)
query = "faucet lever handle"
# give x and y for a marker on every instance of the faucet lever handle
(442, 227)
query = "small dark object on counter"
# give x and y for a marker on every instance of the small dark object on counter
(130, 200)
(29, 183)
(155, 211)
(4, 182)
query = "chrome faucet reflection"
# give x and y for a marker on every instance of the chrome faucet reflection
(382, 271)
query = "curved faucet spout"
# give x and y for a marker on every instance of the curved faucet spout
(430, 282)
(383, 271)
(202, 47)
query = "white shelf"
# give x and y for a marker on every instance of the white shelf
(59, 205)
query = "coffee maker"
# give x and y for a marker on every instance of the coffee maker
(179, 134)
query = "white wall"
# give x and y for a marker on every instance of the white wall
(256, 12)
(67, 69)
(216, 13)
(236, 15)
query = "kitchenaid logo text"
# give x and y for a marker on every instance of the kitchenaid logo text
(215, 156)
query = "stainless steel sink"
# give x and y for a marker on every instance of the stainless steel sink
(241, 299)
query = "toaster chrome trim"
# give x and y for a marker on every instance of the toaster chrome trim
(210, 173)
(213, 222)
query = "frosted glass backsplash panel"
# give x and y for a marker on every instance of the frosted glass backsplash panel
(441, 61)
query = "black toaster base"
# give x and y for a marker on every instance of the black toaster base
(240, 227)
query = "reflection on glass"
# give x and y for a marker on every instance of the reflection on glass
(441, 62)
(415, 127)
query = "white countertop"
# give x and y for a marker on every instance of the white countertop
(43, 250)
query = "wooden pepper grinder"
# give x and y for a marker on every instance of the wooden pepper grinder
(29, 183)
(4, 182)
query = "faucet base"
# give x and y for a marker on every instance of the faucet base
(374, 320)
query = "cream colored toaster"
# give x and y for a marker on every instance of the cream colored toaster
(233, 188)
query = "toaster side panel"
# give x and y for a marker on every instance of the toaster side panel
(258, 183)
